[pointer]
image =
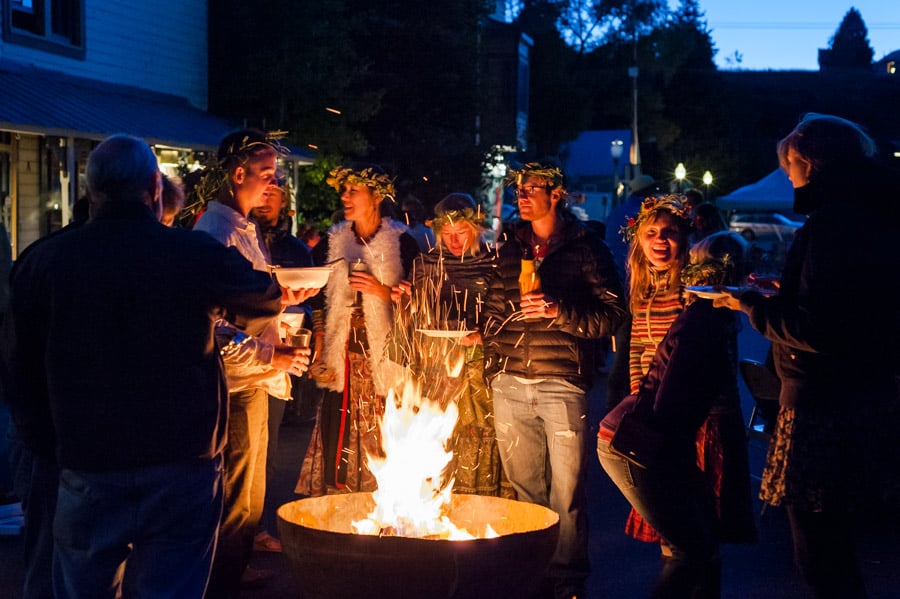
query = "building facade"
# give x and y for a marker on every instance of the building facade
(73, 72)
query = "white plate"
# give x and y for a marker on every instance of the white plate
(454, 334)
(711, 292)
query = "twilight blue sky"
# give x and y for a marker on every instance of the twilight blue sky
(787, 34)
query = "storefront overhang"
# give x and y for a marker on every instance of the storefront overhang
(44, 102)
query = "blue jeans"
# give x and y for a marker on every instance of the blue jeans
(542, 433)
(154, 526)
(675, 499)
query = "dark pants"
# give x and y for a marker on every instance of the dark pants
(276, 417)
(36, 483)
(245, 489)
(154, 525)
(825, 553)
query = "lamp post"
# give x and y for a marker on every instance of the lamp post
(616, 148)
(680, 173)
(707, 181)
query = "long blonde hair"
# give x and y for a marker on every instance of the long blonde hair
(638, 269)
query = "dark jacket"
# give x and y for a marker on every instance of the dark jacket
(454, 287)
(288, 251)
(579, 273)
(112, 356)
(833, 325)
(284, 248)
(691, 380)
(693, 373)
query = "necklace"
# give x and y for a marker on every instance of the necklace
(540, 249)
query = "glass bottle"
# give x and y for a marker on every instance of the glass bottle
(529, 279)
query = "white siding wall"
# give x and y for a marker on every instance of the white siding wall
(28, 192)
(160, 45)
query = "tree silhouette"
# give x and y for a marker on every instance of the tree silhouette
(850, 48)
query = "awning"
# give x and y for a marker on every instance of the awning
(773, 192)
(47, 102)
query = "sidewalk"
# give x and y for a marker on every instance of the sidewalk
(622, 567)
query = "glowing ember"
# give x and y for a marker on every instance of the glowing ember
(412, 499)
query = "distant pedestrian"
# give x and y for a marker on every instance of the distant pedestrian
(414, 217)
(172, 201)
(707, 220)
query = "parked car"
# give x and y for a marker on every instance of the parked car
(763, 224)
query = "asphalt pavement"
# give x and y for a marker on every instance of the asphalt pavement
(622, 568)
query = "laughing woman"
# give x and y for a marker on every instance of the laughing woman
(350, 338)
(691, 385)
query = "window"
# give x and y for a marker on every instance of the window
(51, 25)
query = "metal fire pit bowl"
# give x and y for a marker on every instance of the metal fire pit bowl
(329, 560)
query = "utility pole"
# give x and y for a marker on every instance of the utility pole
(634, 153)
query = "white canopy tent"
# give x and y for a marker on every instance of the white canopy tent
(772, 193)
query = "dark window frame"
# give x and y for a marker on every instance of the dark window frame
(55, 26)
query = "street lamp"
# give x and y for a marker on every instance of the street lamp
(680, 173)
(616, 147)
(707, 181)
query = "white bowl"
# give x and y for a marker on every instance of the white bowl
(304, 277)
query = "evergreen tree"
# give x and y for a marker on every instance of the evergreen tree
(850, 47)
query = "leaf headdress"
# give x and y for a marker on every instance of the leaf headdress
(650, 207)
(370, 177)
(234, 151)
(551, 173)
(712, 271)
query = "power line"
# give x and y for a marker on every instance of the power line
(797, 25)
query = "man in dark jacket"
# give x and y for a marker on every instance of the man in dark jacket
(274, 222)
(114, 369)
(538, 348)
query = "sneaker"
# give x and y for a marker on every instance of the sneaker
(263, 541)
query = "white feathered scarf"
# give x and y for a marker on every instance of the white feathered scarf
(382, 255)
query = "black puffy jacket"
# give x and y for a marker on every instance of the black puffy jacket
(578, 272)
(454, 288)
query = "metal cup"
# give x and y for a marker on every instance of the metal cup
(299, 338)
(358, 266)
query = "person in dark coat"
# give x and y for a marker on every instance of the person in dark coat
(691, 383)
(97, 314)
(539, 358)
(834, 451)
(450, 284)
(274, 221)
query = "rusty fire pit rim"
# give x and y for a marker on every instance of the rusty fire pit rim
(552, 515)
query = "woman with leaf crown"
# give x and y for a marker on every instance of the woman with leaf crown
(448, 289)
(374, 253)
(691, 381)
